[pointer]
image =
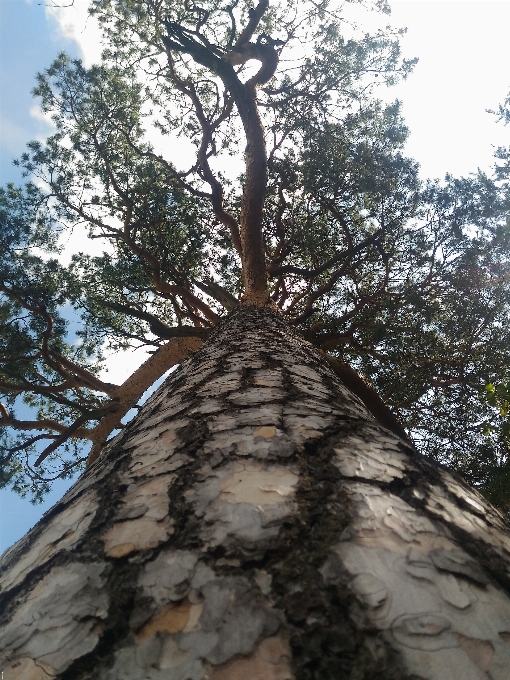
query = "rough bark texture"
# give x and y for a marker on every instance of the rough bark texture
(254, 522)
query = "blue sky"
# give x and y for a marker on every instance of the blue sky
(464, 69)
(29, 41)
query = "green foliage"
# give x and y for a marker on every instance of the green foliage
(34, 289)
(406, 280)
(493, 470)
(498, 396)
(495, 478)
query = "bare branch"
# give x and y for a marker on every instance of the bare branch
(250, 28)
(132, 389)
(6, 420)
(26, 444)
(87, 378)
(344, 254)
(158, 327)
(68, 432)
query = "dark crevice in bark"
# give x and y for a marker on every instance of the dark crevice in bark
(122, 587)
(429, 473)
(89, 548)
(330, 644)
(325, 642)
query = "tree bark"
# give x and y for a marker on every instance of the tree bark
(254, 522)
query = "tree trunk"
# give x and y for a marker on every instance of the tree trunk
(254, 522)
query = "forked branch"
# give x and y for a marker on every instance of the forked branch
(180, 40)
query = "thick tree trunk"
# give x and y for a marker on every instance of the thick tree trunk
(255, 523)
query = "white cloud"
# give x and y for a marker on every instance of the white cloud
(77, 241)
(35, 112)
(463, 70)
(74, 23)
(121, 365)
(48, 126)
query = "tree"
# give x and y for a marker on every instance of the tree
(305, 537)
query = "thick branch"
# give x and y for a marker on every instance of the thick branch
(124, 398)
(218, 293)
(250, 28)
(312, 273)
(244, 95)
(131, 390)
(364, 390)
(158, 327)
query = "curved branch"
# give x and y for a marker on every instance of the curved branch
(312, 273)
(131, 390)
(244, 95)
(158, 327)
(73, 374)
(27, 386)
(25, 445)
(365, 391)
(216, 187)
(315, 295)
(6, 420)
(161, 285)
(88, 378)
(250, 28)
(48, 391)
(233, 29)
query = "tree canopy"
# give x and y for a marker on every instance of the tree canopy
(226, 152)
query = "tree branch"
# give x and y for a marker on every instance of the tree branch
(90, 380)
(244, 95)
(207, 131)
(27, 443)
(250, 28)
(68, 432)
(7, 421)
(218, 293)
(158, 327)
(313, 273)
(131, 390)
(365, 391)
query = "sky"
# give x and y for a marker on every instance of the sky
(463, 70)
